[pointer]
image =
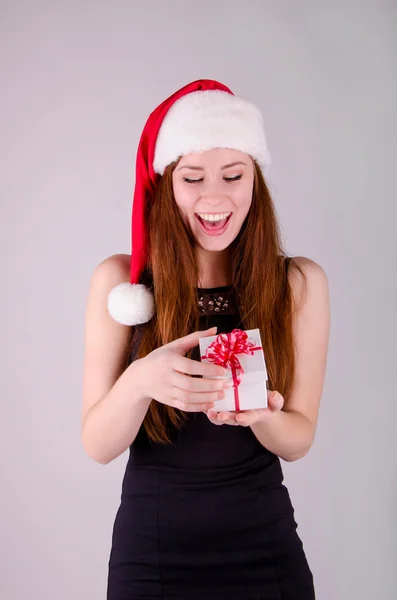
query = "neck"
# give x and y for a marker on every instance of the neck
(214, 268)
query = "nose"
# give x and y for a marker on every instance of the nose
(213, 194)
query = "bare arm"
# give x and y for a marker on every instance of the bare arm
(113, 405)
(115, 399)
(289, 433)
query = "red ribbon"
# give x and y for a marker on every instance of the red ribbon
(223, 352)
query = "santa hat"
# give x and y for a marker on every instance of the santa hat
(202, 115)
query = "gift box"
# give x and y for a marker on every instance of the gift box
(241, 353)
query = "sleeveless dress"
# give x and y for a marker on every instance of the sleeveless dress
(206, 517)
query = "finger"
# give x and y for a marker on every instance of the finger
(249, 417)
(196, 397)
(213, 419)
(275, 401)
(226, 414)
(194, 384)
(195, 367)
(228, 417)
(216, 421)
(191, 407)
(182, 345)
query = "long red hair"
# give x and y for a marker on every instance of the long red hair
(258, 272)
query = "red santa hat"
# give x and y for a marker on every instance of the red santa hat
(202, 115)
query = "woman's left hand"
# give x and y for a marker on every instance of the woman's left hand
(246, 418)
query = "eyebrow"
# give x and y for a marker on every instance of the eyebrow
(239, 162)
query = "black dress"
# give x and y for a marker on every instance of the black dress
(206, 517)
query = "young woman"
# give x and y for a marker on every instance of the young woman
(204, 514)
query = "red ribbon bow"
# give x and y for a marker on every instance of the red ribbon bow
(223, 351)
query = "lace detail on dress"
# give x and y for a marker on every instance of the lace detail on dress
(219, 300)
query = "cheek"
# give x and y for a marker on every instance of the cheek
(243, 200)
(184, 199)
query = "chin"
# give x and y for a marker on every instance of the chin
(214, 245)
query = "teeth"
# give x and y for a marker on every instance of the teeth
(218, 217)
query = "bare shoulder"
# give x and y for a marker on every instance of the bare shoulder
(308, 281)
(107, 274)
(106, 341)
(112, 270)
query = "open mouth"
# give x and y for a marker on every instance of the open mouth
(213, 223)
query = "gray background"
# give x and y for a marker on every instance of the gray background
(78, 80)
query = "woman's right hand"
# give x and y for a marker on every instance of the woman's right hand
(165, 375)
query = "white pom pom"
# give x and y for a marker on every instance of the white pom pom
(131, 303)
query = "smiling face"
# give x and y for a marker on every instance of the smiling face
(213, 191)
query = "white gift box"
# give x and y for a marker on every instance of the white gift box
(252, 392)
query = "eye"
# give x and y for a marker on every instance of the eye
(192, 180)
(236, 178)
(228, 179)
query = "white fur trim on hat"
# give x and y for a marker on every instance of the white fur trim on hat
(131, 303)
(208, 119)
